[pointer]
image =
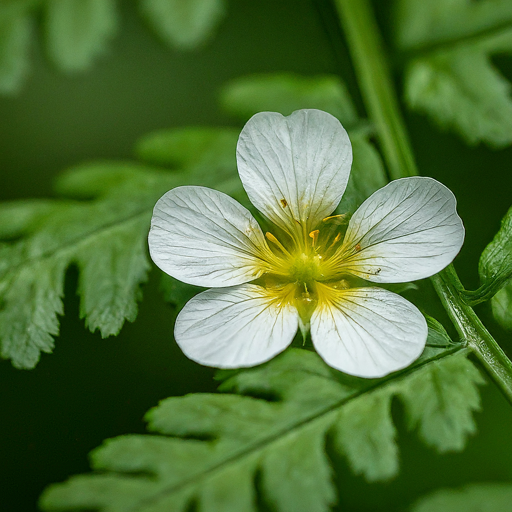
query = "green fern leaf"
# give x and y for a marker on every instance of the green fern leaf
(101, 227)
(452, 79)
(365, 434)
(267, 435)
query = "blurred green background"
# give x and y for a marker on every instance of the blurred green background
(90, 388)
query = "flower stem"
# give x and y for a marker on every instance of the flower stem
(497, 365)
(367, 51)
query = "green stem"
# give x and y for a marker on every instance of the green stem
(377, 89)
(486, 292)
(472, 331)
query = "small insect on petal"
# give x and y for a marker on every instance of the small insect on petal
(284, 203)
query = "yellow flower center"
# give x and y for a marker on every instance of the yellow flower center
(305, 268)
(297, 267)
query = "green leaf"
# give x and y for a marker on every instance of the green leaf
(101, 226)
(440, 404)
(452, 79)
(422, 24)
(77, 31)
(365, 434)
(496, 260)
(501, 305)
(183, 24)
(15, 37)
(495, 269)
(286, 92)
(488, 497)
(268, 434)
(438, 337)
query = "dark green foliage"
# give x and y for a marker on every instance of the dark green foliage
(77, 32)
(451, 76)
(367, 174)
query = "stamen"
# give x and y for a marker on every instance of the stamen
(274, 240)
(314, 236)
(335, 241)
(340, 219)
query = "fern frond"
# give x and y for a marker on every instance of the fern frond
(101, 226)
(269, 434)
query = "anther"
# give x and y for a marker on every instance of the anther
(340, 219)
(314, 236)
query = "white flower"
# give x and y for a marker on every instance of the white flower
(308, 271)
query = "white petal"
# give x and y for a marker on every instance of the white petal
(204, 237)
(405, 231)
(367, 332)
(294, 169)
(235, 327)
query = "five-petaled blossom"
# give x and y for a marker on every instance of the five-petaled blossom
(313, 270)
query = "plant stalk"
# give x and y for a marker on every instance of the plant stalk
(377, 89)
(369, 59)
(496, 363)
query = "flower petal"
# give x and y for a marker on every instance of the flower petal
(235, 327)
(367, 332)
(405, 231)
(294, 169)
(204, 237)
